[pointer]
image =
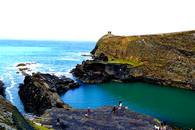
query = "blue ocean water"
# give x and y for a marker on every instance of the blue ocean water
(59, 57)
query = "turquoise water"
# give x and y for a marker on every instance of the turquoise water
(172, 105)
(169, 104)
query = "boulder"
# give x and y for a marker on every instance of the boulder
(41, 91)
(2, 89)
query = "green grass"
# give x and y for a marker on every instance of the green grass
(38, 127)
(123, 61)
(19, 120)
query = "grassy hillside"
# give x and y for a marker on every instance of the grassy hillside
(168, 56)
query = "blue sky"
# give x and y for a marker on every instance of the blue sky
(90, 19)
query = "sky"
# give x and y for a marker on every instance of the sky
(88, 20)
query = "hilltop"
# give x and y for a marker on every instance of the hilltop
(167, 59)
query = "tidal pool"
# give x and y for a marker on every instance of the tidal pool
(176, 106)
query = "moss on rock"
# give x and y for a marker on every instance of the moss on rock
(10, 117)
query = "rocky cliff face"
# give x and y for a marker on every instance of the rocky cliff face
(2, 89)
(10, 118)
(41, 91)
(167, 59)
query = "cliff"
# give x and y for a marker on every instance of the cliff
(2, 89)
(10, 117)
(167, 59)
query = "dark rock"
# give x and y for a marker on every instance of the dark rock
(41, 91)
(58, 84)
(101, 118)
(24, 68)
(91, 73)
(2, 89)
(97, 72)
(20, 64)
(101, 57)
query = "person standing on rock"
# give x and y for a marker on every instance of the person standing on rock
(114, 109)
(120, 105)
(58, 122)
(88, 112)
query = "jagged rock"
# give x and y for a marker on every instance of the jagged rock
(10, 117)
(2, 89)
(91, 73)
(167, 59)
(25, 68)
(101, 57)
(95, 72)
(41, 91)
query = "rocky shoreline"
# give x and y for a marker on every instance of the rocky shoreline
(165, 59)
(92, 71)
(40, 95)
(10, 117)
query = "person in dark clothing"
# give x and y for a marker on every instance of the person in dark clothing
(114, 109)
(58, 122)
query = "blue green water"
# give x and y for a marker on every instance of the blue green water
(172, 105)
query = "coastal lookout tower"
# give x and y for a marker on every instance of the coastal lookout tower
(109, 34)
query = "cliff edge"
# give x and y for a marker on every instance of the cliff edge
(167, 59)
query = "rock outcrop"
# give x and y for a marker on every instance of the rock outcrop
(97, 72)
(41, 91)
(40, 95)
(2, 89)
(10, 117)
(25, 68)
(167, 59)
(98, 119)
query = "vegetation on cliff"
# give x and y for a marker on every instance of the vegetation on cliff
(167, 57)
(10, 117)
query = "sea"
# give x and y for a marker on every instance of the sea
(175, 106)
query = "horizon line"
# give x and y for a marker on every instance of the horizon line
(47, 40)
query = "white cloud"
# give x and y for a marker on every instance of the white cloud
(90, 19)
